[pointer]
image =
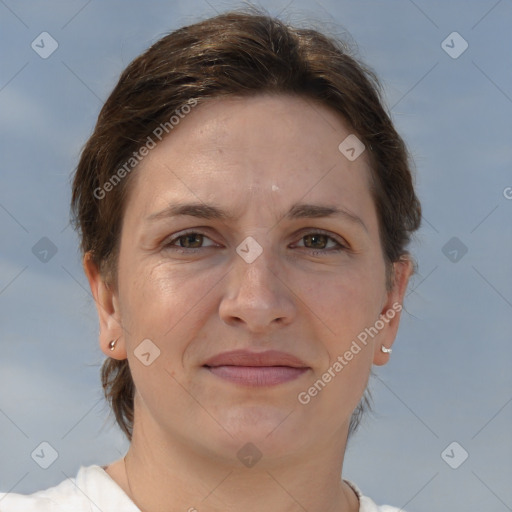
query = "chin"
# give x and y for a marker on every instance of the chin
(273, 430)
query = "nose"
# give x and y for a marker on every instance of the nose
(257, 294)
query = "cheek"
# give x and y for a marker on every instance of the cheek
(345, 300)
(347, 304)
(163, 302)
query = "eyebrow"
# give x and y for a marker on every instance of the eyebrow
(212, 212)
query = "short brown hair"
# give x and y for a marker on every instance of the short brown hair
(236, 53)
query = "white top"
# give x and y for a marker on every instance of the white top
(93, 490)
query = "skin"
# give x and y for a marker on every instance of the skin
(254, 158)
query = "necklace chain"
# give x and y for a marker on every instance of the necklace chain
(132, 497)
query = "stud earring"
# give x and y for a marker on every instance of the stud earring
(386, 350)
(112, 344)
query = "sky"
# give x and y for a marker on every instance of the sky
(440, 434)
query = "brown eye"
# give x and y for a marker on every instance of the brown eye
(318, 242)
(190, 240)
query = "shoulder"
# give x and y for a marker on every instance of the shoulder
(368, 505)
(47, 500)
(91, 489)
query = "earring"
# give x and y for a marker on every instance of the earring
(112, 344)
(386, 350)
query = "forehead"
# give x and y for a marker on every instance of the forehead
(269, 149)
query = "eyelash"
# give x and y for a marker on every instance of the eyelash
(340, 247)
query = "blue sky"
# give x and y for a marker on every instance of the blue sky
(449, 377)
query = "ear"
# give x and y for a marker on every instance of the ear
(392, 308)
(107, 305)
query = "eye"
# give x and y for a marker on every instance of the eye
(188, 240)
(317, 241)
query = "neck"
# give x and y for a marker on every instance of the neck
(172, 476)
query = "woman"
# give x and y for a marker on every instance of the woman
(244, 206)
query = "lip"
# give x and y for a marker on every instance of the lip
(247, 358)
(256, 368)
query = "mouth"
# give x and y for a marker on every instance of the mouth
(256, 368)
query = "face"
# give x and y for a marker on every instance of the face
(279, 258)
